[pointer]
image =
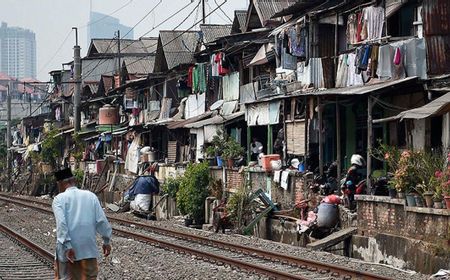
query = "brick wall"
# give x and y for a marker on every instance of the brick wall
(407, 237)
(385, 215)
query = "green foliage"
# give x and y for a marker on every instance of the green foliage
(52, 146)
(232, 149)
(216, 189)
(194, 190)
(171, 186)
(78, 174)
(210, 151)
(79, 146)
(240, 207)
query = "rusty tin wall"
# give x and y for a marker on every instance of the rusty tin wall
(436, 18)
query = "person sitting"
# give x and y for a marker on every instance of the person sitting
(140, 194)
(352, 179)
(256, 148)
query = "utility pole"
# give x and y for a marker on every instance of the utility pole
(8, 135)
(203, 11)
(118, 58)
(77, 80)
(370, 105)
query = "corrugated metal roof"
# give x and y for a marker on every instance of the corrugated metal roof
(436, 107)
(92, 69)
(182, 123)
(127, 46)
(241, 16)
(296, 8)
(215, 120)
(365, 89)
(150, 43)
(179, 46)
(436, 18)
(139, 65)
(211, 32)
(267, 8)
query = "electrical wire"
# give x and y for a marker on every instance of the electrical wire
(176, 37)
(108, 15)
(220, 8)
(219, 15)
(189, 14)
(57, 51)
(170, 17)
(104, 61)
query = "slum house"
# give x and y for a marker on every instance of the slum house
(174, 55)
(356, 71)
(428, 126)
(329, 63)
(105, 72)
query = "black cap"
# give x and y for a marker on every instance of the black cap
(63, 174)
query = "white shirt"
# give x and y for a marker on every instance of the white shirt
(256, 147)
(79, 216)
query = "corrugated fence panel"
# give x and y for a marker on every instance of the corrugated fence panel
(436, 17)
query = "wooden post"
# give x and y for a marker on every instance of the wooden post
(269, 139)
(249, 141)
(369, 141)
(306, 129)
(319, 109)
(338, 138)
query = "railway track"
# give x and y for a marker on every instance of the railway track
(265, 262)
(22, 259)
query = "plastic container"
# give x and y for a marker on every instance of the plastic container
(219, 161)
(108, 115)
(327, 215)
(266, 159)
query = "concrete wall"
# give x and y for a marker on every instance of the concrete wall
(406, 237)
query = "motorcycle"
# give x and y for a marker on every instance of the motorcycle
(328, 183)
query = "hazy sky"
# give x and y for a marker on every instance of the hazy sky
(52, 20)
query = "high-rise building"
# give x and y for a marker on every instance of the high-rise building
(17, 51)
(102, 26)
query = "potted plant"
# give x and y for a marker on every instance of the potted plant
(232, 151)
(437, 199)
(210, 153)
(218, 144)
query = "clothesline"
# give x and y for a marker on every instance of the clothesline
(360, 6)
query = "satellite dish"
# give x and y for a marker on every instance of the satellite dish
(216, 105)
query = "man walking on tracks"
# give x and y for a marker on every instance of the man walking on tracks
(78, 216)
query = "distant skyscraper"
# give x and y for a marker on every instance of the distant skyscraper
(103, 26)
(17, 52)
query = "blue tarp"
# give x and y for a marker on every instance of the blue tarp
(144, 185)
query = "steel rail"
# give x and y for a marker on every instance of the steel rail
(41, 252)
(169, 245)
(210, 256)
(271, 255)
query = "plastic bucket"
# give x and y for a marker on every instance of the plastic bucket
(410, 200)
(219, 162)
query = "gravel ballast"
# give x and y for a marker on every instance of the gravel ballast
(254, 242)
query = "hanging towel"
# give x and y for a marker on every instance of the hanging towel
(397, 56)
(285, 180)
(276, 176)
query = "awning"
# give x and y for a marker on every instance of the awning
(393, 6)
(376, 87)
(216, 120)
(181, 123)
(436, 107)
(261, 56)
